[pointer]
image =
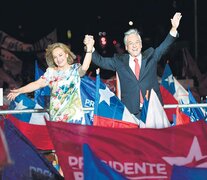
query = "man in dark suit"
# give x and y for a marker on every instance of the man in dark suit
(133, 88)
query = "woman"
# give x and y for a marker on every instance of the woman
(63, 77)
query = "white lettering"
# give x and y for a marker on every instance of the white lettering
(118, 166)
(78, 175)
(89, 103)
(39, 172)
(129, 168)
(135, 168)
(126, 168)
(151, 167)
(75, 162)
(140, 167)
(161, 169)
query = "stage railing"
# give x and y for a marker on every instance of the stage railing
(166, 106)
(20, 111)
(169, 106)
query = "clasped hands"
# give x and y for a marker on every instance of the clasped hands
(89, 42)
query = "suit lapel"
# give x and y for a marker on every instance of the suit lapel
(126, 62)
(145, 56)
(142, 68)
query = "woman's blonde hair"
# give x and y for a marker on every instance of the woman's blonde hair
(51, 47)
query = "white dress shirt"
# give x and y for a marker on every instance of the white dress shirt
(132, 63)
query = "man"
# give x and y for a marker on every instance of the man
(134, 88)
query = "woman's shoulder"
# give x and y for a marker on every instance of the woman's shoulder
(51, 69)
(75, 65)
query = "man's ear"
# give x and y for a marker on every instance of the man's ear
(126, 47)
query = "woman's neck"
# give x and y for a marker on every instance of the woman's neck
(63, 68)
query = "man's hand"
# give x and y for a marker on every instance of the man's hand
(175, 21)
(89, 42)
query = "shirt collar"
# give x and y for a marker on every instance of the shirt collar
(139, 57)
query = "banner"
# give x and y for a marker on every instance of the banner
(134, 153)
(27, 162)
(42, 44)
(12, 44)
(11, 63)
(5, 158)
(88, 91)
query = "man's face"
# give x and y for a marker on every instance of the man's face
(133, 45)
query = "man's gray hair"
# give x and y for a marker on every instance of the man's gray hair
(130, 31)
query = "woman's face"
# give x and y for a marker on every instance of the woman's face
(60, 57)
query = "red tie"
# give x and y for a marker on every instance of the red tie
(137, 68)
(137, 71)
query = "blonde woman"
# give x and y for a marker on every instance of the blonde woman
(63, 77)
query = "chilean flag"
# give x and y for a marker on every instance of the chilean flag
(167, 89)
(109, 111)
(31, 124)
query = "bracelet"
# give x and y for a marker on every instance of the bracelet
(88, 51)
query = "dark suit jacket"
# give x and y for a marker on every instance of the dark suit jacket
(130, 86)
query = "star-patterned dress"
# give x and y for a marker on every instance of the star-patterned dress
(65, 99)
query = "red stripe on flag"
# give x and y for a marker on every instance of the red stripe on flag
(108, 122)
(181, 118)
(37, 134)
(168, 98)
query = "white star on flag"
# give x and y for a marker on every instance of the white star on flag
(194, 154)
(20, 105)
(105, 95)
(169, 79)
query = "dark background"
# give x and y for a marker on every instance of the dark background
(30, 20)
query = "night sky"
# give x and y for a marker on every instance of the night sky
(30, 20)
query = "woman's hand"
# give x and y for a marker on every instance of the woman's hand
(13, 94)
(89, 42)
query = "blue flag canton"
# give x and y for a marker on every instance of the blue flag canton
(144, 110)
(197, 112)
(22, 102)
(88, 91)
(109, 105)
(168, 80)
(41, 96)
(88, 88)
